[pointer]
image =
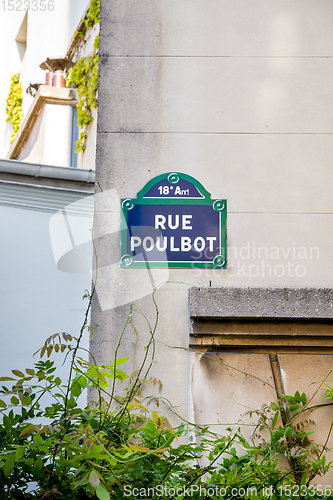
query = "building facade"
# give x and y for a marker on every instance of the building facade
(237, 95)
(46, 189)
(42, 43)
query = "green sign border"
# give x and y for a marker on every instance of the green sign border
(219, 262)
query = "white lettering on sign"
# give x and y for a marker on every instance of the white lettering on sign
(151, 243)
(172, 245)
(135, 242)
(164, 189)
(158, 245)
(160, 221)
(199, 244)
(182, 192)
(211, 239)
(173, 223)
(186, 222)
(176, 224)
(186, 244)
(183, 243)
(168, 190)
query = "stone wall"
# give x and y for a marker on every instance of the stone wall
(237, 94)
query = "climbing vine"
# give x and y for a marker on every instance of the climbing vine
(84, 76)
(14, 110)
(92, 17)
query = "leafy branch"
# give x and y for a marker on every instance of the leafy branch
(14, 110)
(84, 76)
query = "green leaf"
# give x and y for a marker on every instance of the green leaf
(76, 389)
(102, 494)
(28, 430)
(19, 453)
(30, 371)
(71, 403)
(314, 465)
(2, 404)
(14, 400)
(38, 465)
(7, 422)
(9, 464)
(275, 418)
(27, 401)
(38, 439)
(94, 479)
(83, 382)
(120, 361)
(290, 399)
(279, 433)
(121, 375)
(95, 451)
(17, 373)
(5, 379)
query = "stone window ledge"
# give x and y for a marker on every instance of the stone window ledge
(255, 303)
(262, 319)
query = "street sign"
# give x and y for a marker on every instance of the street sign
(173, 222)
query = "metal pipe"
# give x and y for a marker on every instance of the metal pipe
(50, 172)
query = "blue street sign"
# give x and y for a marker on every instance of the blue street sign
(173, 222)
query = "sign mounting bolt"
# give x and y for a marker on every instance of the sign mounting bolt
(218, 205)
(128, 204)
(173, 178)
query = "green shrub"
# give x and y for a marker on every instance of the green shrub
(123, 447)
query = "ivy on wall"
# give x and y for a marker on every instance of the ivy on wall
(84, 76)
(14, 110)
(92, 17)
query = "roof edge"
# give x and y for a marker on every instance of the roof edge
(47, 171)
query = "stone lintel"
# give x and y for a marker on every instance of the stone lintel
(265, 303)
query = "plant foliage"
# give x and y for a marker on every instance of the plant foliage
(123, 446)
(84, 76)
(14, 110)
(92, 17)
